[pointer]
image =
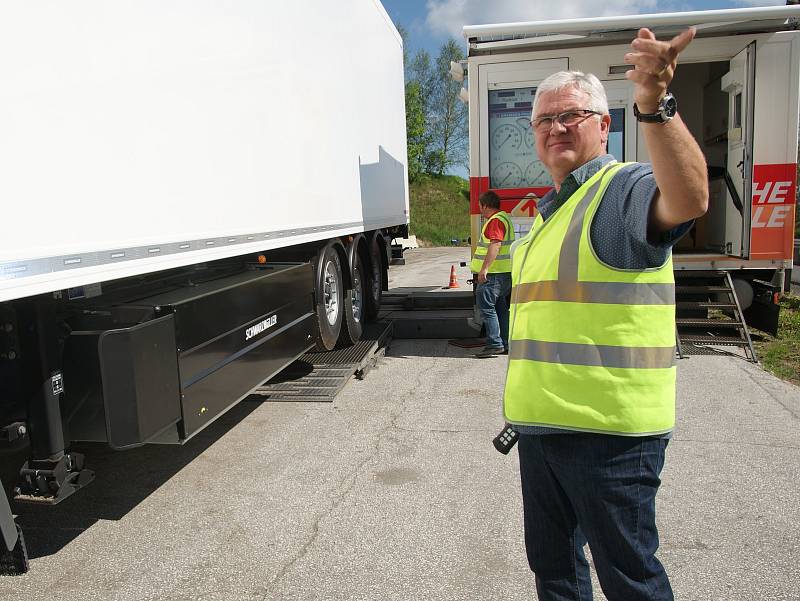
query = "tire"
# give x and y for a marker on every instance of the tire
(14, 562)
(375, 280)
(353, 325)
(329, 297)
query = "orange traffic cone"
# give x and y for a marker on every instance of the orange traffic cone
(453, 279)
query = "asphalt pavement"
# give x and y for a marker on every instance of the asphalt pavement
(394, 492)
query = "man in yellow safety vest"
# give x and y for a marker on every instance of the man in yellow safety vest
(492, 265)
(591, 377)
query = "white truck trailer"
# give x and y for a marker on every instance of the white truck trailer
(194, 194)
(737, 88)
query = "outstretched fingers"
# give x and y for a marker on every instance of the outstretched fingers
(646, 43)
(647, 63)
(679, 43)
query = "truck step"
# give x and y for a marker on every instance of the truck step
(682, 289)
(708, 339)
(687, 274)
(696, 295)
(690, 322)
(704, 305)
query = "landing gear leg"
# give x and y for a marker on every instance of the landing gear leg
(53, 473)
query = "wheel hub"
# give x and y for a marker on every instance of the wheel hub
(331, 293)
(357, 296)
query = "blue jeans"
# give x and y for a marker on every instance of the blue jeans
(492, 304)
(596, 488)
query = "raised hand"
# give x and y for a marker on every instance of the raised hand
(655, 64)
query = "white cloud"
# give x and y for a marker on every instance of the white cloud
(449, 16)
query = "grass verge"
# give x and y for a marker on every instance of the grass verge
(780, 355)
(439, 206)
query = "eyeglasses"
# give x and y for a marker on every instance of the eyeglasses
(567, 119)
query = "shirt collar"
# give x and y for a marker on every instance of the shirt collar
(588, 169)
(552, 200)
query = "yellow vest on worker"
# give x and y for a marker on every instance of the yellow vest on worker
(592, 347)
(502, 263)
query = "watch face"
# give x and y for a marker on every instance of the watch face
(670, 105)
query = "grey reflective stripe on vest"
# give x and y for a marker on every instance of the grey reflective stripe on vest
(568, 258)
(609, 293)
(482, 244)
(569, 289)
(593, 355)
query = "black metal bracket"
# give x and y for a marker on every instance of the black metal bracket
(50, 481)
(13, 432)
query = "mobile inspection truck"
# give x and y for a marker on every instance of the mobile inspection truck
(194, 194)
(737, 90)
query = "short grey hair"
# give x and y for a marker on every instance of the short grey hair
(586, 82)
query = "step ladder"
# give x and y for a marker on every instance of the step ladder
(708, 314)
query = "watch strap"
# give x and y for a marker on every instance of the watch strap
(666, 111)
(649, 117)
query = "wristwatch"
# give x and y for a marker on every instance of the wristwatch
(667, 108)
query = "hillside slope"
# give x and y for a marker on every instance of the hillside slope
(439, 208)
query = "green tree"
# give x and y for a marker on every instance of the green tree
(404, 36)
(436, 119)
(417, 139)
(421, 70)
(417, 76)
(447, 115)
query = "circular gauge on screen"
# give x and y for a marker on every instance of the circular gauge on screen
(525, 125)
(506, 137)
(507, 175)
(536, 175)
(529, 141)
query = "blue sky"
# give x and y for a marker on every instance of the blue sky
(431, 22)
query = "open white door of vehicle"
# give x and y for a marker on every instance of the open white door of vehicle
(739, 85)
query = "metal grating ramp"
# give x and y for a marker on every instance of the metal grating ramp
(320, 376)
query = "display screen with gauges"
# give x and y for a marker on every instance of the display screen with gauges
(513, 162)
(512, 153)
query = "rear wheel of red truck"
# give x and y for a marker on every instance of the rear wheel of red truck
(329, 296)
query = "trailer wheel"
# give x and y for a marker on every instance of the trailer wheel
(329, 297)
(354, 305)
(14, 562)
(375, 281)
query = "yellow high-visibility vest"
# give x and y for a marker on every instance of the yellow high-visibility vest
(592, 347)
(502, 263)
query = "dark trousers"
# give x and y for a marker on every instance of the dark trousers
(491, 300)
(596, 488)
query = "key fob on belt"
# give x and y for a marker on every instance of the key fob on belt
(506, 439)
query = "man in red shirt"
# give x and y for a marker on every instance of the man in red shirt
(492, 264)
